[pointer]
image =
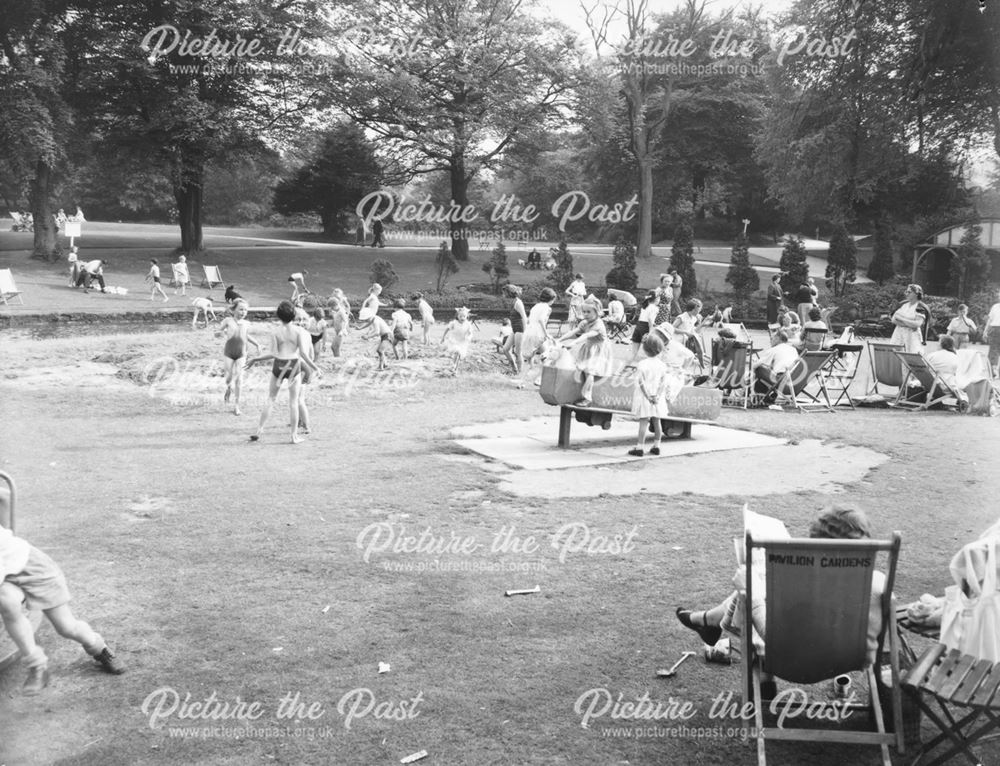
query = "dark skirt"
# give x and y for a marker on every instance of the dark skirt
(640, 331)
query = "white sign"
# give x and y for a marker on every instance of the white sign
(73, 229)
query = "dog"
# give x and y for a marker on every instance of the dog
(202, 305)
(231, 295)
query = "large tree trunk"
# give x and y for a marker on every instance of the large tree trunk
(46, 236)
(188, 194)
(460, 194)
(644, 248)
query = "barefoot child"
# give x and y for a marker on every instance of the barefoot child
(290, 352)
(26, 570)
(316, 327)
(339, 317)
(461, 331)
(237, 331)
(649, 402)
(370, 306)
(154, 277)
(500, 341)
(426, 316)
(402, 326)
(202, 305)
(384, 333)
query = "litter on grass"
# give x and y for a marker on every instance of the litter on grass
(536, 589)
(383, 667)
(414, 757)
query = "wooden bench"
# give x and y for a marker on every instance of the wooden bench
(613, 396)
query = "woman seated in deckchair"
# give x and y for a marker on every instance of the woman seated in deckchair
(842, 521)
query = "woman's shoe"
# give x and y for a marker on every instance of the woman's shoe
(636, 452)
(654, 451)
(710, 634)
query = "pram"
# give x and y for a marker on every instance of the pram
(618, 328)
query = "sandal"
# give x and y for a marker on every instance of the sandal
(710, 634)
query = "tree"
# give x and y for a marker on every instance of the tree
(445, 264)
(741, 276)
(682, 256)
(448, 84)
(383, 273)
(971, 265)
(496, 266)
(841, 260)
(622, 275)
(339, 173)
(881, 269)
(563, 273)
(793, 265)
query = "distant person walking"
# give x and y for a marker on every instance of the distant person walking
(378, 233)
(361, 232)
(154, 277)
(773, 301)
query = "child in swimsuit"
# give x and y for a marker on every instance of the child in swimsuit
(291, 349)
(370, 307)
(384, 332)
(461, 331)
(237, 331)
(506, 331)
(154, 277)
(402, 326)
(317, 331)
(338, 325)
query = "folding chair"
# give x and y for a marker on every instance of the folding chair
(820, 605)
(844, 368)
(931, 383)
(212, 277)
(731, 370)
(886, 367)
(957, 680)
(8, 288)
(813, 340)
(793, 383)
(738, 329)
(8, 652)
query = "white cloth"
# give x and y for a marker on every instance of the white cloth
(780, 358)
(13, 553)
(909, 338)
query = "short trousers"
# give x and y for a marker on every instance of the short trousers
(156, 279)
(42, 581)
(286, 369)
(400, 333)
(640, 331)
(316, 338)
(234, 348)
(384, 345)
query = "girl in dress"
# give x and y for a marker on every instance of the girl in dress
(461, 331)
(665, 296)
(647, 320)
(686, 329)
(650, 398)
(909, 321)
(591, 350)
(426, 316)
(576, 292)
(536, 336)
(236, 328)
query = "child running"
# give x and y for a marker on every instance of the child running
(290, 352)
(506, 330)
(461, 331)
(370, 306)
(26, 570)
(402, 326)
(237, 331)
(154, 277)
(649, 402)
(426, 316)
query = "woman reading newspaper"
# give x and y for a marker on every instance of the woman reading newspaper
(841, 521)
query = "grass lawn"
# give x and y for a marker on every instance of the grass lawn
(220, 567)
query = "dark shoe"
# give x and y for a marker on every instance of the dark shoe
(768, 691)
(654, 451)
(109, 663)
(710, 634)
(38, 679)
(635, 452)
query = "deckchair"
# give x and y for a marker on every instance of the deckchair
(955, 680)
(8, 288)
(731, 370)
(793, 384)
(813, 340)
(212, 277)
(819, 603)
(931, 383)
(886, 367)
(738, 329)
(975, 378)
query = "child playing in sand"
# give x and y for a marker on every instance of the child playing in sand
(290, 351)
(506, 330)
(370, 306)
(401, 326)
(384, 333)
(202, 305)
(461, 331)
(653, 387)
(154, 277)
(237, 331)
(316, 327)
(426, 316)
(27, 571)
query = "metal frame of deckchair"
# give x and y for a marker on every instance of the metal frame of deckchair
(209, 281)
(793, 383)
(8, 287)
(931, 383)
(816, 628)
(734, 376)
(886, 368)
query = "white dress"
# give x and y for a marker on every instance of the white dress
(909, 338)
(535, 333)
(591, 350)
(651, 372)
(459, 337)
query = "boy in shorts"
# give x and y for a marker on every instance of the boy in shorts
(25, 569)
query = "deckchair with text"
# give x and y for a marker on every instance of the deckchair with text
(820, 605)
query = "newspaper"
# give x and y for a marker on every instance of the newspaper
(763, 528)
